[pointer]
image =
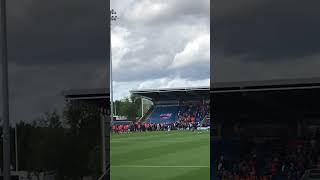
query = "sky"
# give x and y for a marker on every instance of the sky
(59, 45)
(261, 40)
(160, 44)
(54, 46)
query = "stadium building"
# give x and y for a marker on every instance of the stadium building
(273, 122)
(175, 104)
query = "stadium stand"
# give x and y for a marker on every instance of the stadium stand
(171, 101)
(173, 109)
(164, 114)
(262, 160)
(189, 112)
(266, 130)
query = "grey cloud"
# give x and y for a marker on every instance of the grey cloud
(37, 89)
(232, 69)
(174, 11)
(161, 40)
(272, 32)
(264, 32)
(165, 34)
(54, 46)
(64, 31)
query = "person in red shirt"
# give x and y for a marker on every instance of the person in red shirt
(121, 128)
(126, 127)
(146, 126)
(117, 129)
(139, 127)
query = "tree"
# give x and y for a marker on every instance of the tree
(39, 144)
(129, 107)
(68, 146)
(82, 141)
(54, 120)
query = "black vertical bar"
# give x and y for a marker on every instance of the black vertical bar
(5, 94)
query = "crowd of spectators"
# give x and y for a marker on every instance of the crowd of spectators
(193, 112)
(189, 118)
(144, 127)
(251, 167)
(287, 165)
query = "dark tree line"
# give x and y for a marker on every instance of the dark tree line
(68, 146)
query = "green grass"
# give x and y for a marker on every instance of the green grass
(177, 155)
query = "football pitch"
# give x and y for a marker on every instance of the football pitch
(175, 155)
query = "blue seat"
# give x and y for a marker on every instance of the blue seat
(164, 114)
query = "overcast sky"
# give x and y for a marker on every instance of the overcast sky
(160, 44)
(54, 45)
(259, 40)
(58, 45)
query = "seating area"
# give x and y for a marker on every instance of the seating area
(193, 112)
(164, 114)
(190, 112)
